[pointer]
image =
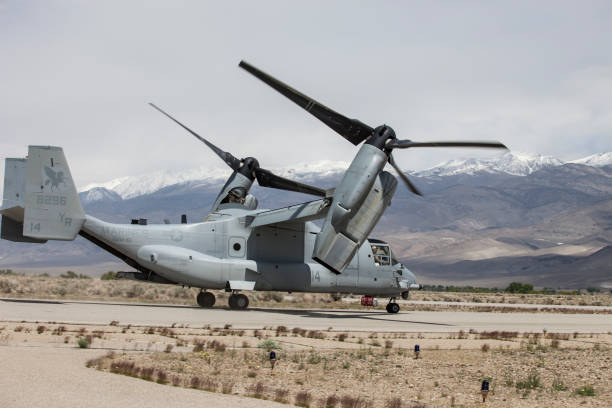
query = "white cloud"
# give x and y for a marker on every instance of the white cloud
(79, 75)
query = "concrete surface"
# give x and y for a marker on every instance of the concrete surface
(321, 319)
(50, 377)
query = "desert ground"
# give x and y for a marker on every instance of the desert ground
(126, 354)
(52, 287)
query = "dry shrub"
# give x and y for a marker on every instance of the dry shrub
(331, 401)
(227, 387)
(280, 395)
(558, 336)
(298, 331)
(18, 329)
(498, 335)
(281, 330)
(198, 346)
(146, 373)
(303, 399)
(208, 384)
(257, 390)
(195, 382)
(169, 348)
(123, 367)
(217, 346)
(162, 377)
(41, 329)
(315, 334)
(388, 344)
(348, 401)
(165, 331)
(484, 348)
(341, 336)
(395, 402)
(176, 380)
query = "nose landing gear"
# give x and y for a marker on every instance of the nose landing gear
(392, 307)
(238, 301)
(206, 299)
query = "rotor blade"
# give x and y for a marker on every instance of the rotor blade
(405, 144)
(266, 178)
(403, 176)
(227, 157)
(351, 129)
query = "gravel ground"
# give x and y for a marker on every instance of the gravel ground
(45, 375)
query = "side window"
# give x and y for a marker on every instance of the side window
(382, 255)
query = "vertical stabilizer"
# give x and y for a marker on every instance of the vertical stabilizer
(14, 182)
(13, 201)
(52, 206)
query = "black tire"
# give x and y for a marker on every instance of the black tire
(393, 308)
(206, 299)
(242, 302)
(232, 301)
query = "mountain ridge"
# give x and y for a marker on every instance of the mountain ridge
(516, 164)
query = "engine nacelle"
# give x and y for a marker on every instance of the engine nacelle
(359, 201)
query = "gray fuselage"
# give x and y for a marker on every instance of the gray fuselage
(222, 251)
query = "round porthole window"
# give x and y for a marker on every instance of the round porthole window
(237, 246)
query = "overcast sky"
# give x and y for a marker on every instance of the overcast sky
(536, 75)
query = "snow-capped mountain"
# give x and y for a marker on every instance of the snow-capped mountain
(98, 194)
(517, 164)
(596, 160)
(134, 186)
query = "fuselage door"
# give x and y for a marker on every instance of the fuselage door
(236, 247)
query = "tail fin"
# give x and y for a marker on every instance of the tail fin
(13, 201)
(52, 206)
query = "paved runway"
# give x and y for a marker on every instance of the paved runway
(321, 319)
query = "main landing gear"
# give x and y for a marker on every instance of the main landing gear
(206, 299)
(238, 301)
(392, 307)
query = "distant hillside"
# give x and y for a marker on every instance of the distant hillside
(487, 220)
(552, 271)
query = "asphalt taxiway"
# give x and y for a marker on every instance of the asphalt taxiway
(31, 310)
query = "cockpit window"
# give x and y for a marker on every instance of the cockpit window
(382, 254)
(236, 195)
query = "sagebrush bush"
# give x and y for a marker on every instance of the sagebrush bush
(303, 399)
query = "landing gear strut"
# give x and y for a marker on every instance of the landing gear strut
(238, 301)
(206, 299)
(392, 307)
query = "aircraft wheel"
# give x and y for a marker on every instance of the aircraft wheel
(206, 299)
(232, 301)
(242, 302)
(238, 302)
(393, 307)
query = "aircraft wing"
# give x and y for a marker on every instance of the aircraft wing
(294, 213)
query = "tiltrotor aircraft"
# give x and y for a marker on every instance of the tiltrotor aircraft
(238, 247)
